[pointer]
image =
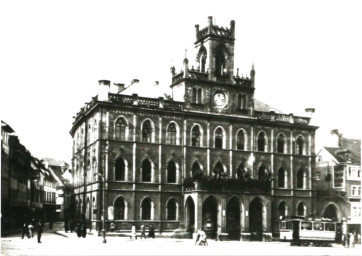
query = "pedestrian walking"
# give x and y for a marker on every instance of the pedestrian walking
(143, 232)
(71, 226)
(39, 230)
(133, 233)
(25, 230)
(79, 229)
(218, 233)
(31, 229)
(351, 240)
(151, 233)
(66, 225)
(203, 240)
(198, 236)
(84, 229)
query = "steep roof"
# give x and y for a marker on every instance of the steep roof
(6, 127)
(351, 146)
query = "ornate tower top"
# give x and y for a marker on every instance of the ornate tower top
(215, 31)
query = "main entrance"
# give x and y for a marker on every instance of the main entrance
(233, 219)
(256, 219)
(209, 216)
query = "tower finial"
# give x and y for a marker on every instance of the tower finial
(252, 72)
(237, 72)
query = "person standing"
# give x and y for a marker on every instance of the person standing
(39, 230)
(143, 232)
(25, 230)
(151, 233)
(31, 228)
(84, 229)
(79, 229)
(66, 225)
(133, 233)
(198, 236)
(218, 233)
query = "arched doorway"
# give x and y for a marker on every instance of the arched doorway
(209, 216)
(190, 214)
(331, 212)
(256, 219)
(233, 219)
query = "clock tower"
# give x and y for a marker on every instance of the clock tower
(212, 85)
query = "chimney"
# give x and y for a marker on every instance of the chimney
(103, 89)
(336, 136)
(210, 25)
(120, 87)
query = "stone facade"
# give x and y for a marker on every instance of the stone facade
(209, 156)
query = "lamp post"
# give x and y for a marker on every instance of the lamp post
(103, 210)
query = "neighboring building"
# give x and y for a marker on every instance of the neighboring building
(339, 181)
(63, 186)
(209, 155)
(16, 175)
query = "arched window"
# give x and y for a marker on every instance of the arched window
(280, 143)
(262, 173)
(240, 171)
(282, 209)
(119, 209)
(171, 209)
(203, 63)
(171, 172)
(95, 133)
(240, 140)
(301, 177)
(199, 96)
(218, 170)
(300, 145)
(195, 168)
(120, 169)
(281, 178)
(194, 95)
(220, 61)
(146, 209)
(172, 134)
(219, 138)
(146, 170)
(261, 142)
(196, 135)
(120, 129)
(301, 209)
(147, 131)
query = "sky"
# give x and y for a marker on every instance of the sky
(307, 54)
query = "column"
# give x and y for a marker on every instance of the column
(231, 150)
(208, 148)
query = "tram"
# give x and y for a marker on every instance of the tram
(302, 232)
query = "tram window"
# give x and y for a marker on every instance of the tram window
(290, 225)
(330, 226)
(306, 226)
(283, 224)
(318, 226)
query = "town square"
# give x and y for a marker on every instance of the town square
(209, 128)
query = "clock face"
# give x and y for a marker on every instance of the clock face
(220, 99)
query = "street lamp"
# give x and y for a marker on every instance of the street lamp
(103, 211)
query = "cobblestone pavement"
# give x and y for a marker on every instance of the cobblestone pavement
(61, 243)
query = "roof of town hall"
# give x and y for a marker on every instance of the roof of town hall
(352, 146)
(156, 91)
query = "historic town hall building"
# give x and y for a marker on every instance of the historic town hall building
(208, 155)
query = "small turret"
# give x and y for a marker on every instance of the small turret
(210, 25)
(232, 28)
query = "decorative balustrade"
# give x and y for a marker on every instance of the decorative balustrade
(148, 102)
(177, 77)
(301, 120)
(271, 116)
(173, 105)
(123, 99)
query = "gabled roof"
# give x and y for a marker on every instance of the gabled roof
(6, 127)
(260, 106)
